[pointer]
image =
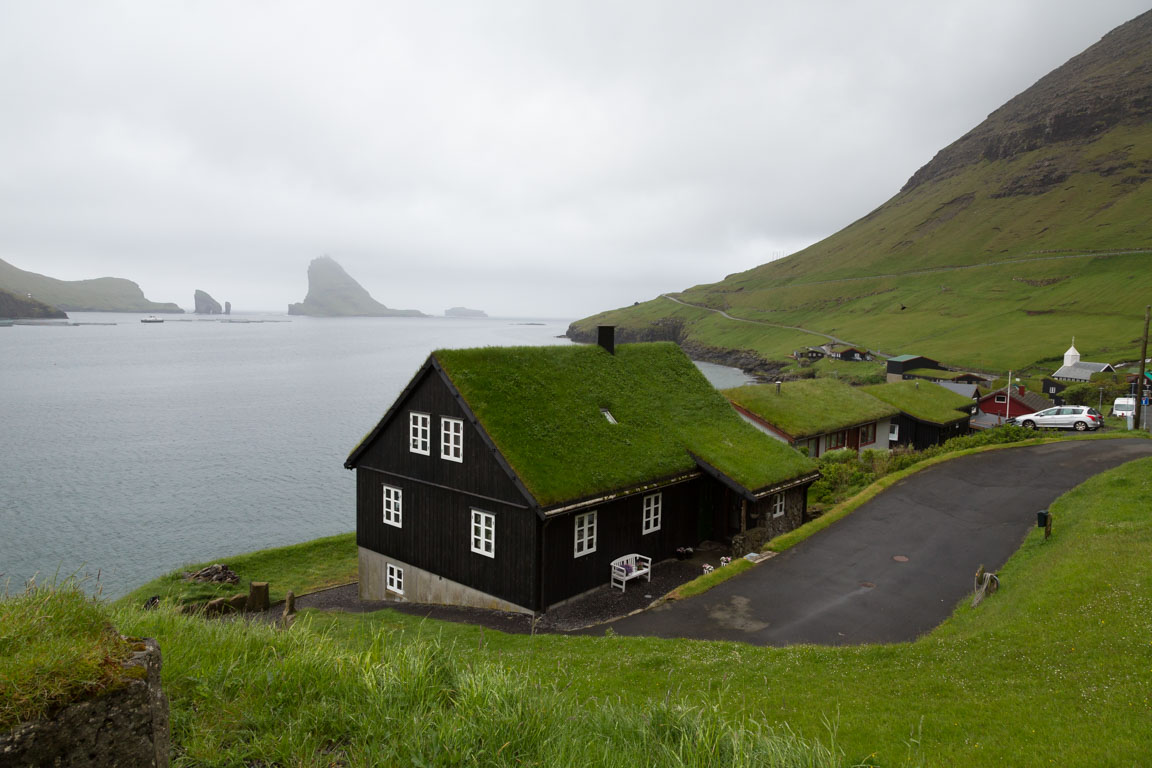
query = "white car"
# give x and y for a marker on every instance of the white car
(1078, 417)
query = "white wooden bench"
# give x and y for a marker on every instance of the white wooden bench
(629, 567)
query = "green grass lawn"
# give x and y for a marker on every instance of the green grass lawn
(299, 568)
(1054, 669)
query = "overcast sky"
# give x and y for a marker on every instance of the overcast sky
(527, 158)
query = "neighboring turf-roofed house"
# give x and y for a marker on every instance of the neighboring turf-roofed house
(929, 413)
(820, 415)
(512, 477)
(900, 365)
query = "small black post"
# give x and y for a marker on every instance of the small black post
(606, 337)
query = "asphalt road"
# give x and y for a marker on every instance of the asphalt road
(896, 567)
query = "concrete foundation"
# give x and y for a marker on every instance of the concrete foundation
(422, 586)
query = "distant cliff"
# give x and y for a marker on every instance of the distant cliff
(464, 312)
(205, 304)
(332, 293)
(103, 294)
(15, 307)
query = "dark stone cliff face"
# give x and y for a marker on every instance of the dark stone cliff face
(17, 308)
(1107, 85)
(205, 304)
(672, 329)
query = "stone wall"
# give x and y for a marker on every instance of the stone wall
(125, 728)
(762, 527)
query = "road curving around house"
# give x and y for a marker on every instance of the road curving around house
(897, 566)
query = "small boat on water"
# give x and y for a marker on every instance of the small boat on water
(151, 319)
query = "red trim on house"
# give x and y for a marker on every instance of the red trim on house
(773, 429)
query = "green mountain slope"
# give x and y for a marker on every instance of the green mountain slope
(15, 307)
(103, 294)
(333, 293)
(1034, 227)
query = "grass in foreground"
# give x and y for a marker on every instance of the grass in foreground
(383, 692)
(55, 646)
(1054, 669)
(301, 568)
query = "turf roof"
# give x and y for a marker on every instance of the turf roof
(810, 406)
(935, 373)
(542, 408)
(929, 402)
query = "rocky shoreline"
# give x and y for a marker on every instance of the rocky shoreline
(671, 329)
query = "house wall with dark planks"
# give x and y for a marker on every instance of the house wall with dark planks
(619, 531)
(478, 473)
(438, 496)
(923, 434)
(436, 535)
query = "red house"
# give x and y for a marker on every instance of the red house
(995, 408)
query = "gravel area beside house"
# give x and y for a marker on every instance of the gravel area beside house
(600, 605)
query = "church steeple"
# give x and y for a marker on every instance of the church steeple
(1071, 357)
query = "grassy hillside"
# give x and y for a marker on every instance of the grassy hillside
(1007, 683)
(13, 306)
(102, 294)
(1030, 229)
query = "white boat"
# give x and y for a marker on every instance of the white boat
(151, 319)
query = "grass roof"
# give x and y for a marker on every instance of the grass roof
(935, 373)
(928, 402)
(810, 406)
(542, 408)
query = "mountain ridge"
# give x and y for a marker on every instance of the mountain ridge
(101, 294)
(1060, 169)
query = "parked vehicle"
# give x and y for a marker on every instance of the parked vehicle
(1078, 417)
(1124, 407)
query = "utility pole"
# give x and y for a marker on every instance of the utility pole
(1138, 416)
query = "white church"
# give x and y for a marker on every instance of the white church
(1076, 370)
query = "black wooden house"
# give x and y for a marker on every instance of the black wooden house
(930, 413)
(511, 477)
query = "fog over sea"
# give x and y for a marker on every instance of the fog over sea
(128, 450)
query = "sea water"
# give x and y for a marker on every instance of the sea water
(129, 449)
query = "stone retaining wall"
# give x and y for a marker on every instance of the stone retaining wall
(125, 728)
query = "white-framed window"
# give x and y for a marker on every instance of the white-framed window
(894, 430)
(419, 425)
(395, 579)
(585, 534)
(451, 439)
(652, 508)
(483, 533)
(393, 505)
(1001, 398)
(778, 505)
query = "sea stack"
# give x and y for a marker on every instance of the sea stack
(333, 293)
(205, 304)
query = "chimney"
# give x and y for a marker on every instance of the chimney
(606, 337)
